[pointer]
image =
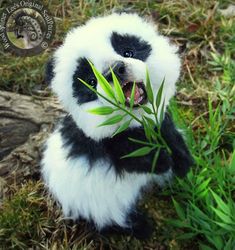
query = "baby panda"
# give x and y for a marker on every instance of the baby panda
(82, 164)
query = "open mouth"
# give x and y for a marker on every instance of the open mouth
(140, 96)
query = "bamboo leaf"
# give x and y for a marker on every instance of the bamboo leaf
(150, 121)
(178, 223)
(112, 120)
(103, 82)
(149, 89)
(87, 85)
(232, 164)
(225, 226)
(140, 142)
(147, 110)
(221, 204)
(105, 110)
(179, 210)
(122, 128)
(162, 112)
(202, 186)
(159, 94)
(155, 158)
(139, 152)
(225, 218)
(186, 236)
(118, 89)
(147, 130)
(132, 100)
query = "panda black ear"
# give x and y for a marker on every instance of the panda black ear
(49, 70)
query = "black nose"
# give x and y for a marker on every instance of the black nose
(119, 70)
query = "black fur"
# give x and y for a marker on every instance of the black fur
(80, 91)
(140, 226)
(180, 154)
(118, 146)
(121, 43)
(49, 74)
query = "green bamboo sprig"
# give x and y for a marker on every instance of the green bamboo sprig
(115, 97)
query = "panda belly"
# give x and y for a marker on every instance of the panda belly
(93, 192)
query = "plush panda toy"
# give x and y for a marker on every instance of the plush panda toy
(81, 164)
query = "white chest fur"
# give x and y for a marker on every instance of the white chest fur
(94, 192)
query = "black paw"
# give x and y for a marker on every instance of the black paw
(164, 162)
(142, 227)
(182, 159)
(182, 162)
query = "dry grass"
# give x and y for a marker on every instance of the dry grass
(30, 219)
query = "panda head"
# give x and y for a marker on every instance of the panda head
(126, 43)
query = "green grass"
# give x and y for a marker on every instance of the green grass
(194, 213)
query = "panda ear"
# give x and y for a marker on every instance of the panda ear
(49, 70)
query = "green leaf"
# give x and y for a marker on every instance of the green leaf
(105, 110)
(199, 212)
(149, 89)
(229, 245)
(87, 85)
(221, 203)
(155, 158)
(162, 111)
(178, 223)
(147, 110)
(103, 83)
(118, 89)
(225, 218)
(147, 131)
(159, 94)
(132, 100)
(150, 121)
(202, 186)
(225, 226)
(205, 247)
(232, 163)
(140, 142)
(186, 236)
(122, 128)
(112, 120)
(139, 152)
(179, 210)
(215, 240)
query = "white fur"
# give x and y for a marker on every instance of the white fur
(98, 194)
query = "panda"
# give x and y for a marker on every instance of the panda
(81, 164)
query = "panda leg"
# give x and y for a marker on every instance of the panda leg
(142, 226)
(139, 227)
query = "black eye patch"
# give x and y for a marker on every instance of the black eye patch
(80, 91)
(130, 46)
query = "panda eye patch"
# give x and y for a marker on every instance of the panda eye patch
(128, 53)
(130, 46)
(84, 72)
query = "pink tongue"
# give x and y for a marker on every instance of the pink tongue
(137, 93)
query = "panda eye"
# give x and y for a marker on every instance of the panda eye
(92, 82)
(128, 53)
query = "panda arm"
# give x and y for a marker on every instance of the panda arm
(180, 154)
(180, 160)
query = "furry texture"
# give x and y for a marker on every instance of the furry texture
(81, 164)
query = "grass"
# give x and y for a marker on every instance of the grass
(194, 213)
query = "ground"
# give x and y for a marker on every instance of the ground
(197, 212)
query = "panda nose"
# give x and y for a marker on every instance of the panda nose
(119, 69)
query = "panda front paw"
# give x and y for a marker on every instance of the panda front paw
(181, 157)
